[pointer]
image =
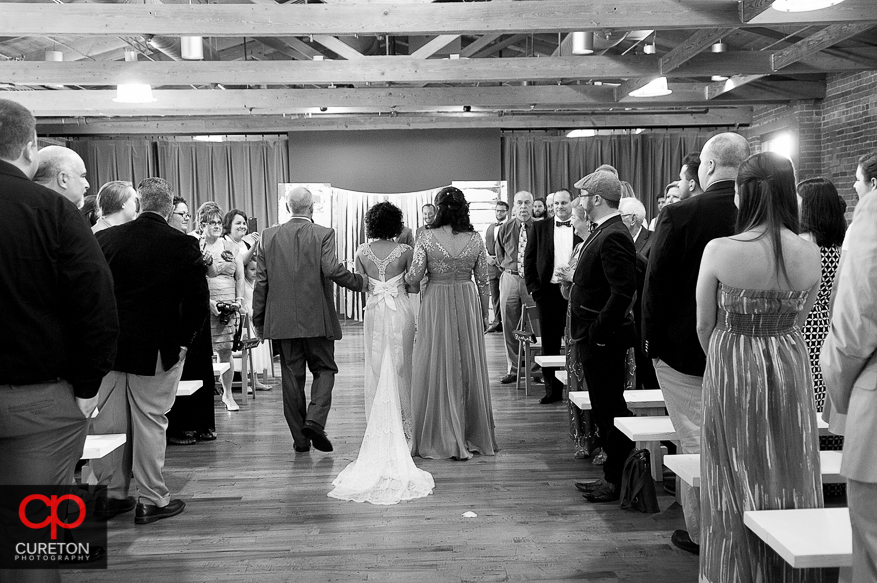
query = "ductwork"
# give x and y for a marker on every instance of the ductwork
(167, 45)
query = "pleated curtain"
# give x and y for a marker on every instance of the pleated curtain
(118, 159)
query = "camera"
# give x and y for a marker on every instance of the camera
(226, 311)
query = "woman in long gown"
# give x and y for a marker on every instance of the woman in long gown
(384, 472)
(450, 394)
(760, 443)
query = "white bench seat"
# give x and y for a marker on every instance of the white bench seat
(186, 388)
(648, 399)
(553, 361)
(97, 446)
(807, 538)
(220, 367)
(687, 467)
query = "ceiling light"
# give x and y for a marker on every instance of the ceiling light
(134, 93)
(582, 134)
(802, 5)
(656, 88)
(209, 138)
(192, 48)
(582, 43)
(719, 47)
(54, 56)
(650, 49)
(719, 78)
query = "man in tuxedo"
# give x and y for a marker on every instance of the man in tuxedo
(428, 211)
(293, 304)
(632, 214)
(549, 249)
(161, 290)
(669, 308)
(511, 242)
(501, 211)
(602, 327)
(849, 365)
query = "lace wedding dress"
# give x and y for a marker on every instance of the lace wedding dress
(384, 472)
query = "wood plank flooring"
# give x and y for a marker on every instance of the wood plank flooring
(258, 512)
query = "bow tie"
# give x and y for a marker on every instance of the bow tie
(498, 223)
(564, 223)
(592, 227)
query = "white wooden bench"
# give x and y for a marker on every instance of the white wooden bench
(647, 432)
(186, 388)
(807, 538)
(553, 361)
(97, 446)
(687, 467)
(641, 402)
(219, 368)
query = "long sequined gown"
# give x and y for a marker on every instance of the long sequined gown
(383, 472)
(760, 446)
(450, 396)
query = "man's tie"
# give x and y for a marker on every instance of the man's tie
(563, 223)
(522, 245)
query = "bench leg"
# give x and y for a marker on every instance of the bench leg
(657, 456)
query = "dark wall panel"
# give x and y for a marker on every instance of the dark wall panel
(394, 161)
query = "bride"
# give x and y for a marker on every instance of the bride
(384, 472)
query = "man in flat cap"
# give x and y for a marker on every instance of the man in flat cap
(602, 323)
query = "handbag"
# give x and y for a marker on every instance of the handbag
(637, 486)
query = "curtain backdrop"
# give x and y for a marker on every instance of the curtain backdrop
(648, 161)
(235, 174)
(106, 160)
(348, 220)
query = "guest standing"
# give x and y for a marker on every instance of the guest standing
(119, 203)
(293, 304)
(669, 308)
(62, 170)
(760, 447)
(511, 242)
(450, 393)
(500, 211)
(602, 323)
(849, 365)
(235, 229)
(60, 323)
(548, 250)
(226, 295)
(161, 290)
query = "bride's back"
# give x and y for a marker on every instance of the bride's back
(383, 259)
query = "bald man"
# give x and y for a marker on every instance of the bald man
(669, 306)
(62, 170)
(293, 305)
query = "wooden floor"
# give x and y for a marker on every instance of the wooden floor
(256, 511)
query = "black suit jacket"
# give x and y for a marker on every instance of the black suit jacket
(539, 257)
(644, 242)
(604, 286)
(669, 311)
(161, 291)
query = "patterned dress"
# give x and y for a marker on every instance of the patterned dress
(760, 448)
(450, 391)
(222, 289)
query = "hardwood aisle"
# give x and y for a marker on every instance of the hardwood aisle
(258, 512)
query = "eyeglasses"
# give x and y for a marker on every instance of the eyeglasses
(184, 215)
(215, 223)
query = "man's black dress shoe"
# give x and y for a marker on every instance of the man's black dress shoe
(551, 398)
(588, 487)
(508, 379)
(608, 492)
(147, 513)
(206, 435)
(681, 540)
(318, 438)
(302, 448)
(110, 507)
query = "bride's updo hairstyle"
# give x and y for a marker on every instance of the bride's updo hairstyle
(452, 209)
(766, 197)
(383, 221)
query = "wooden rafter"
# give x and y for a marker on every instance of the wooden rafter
(713, 90)
(434, 46)
(827, 37)
(338, 47)
(749, 9)
(472, 48)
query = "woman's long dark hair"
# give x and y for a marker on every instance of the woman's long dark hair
(822, 212)
(766, 190)
(452, 209)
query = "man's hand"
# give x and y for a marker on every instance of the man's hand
(260, 332)
(87, 406)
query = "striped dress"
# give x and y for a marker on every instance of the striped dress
(760, 446)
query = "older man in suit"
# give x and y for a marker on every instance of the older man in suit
(161, 290)
(669, 307)
(849, 365)
(601, 325)
(293, 305)
(549, 249)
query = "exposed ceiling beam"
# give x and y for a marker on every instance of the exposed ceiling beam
(258, 124)
(338, 47)
(475, 46)
(713, 90)
(283, 47)
(404, 69)
(545, 98)
(749, 9)
(434, 46)
(496, 47)
(31, 19)
(827, 37)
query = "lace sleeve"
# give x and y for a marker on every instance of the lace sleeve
(418, 265)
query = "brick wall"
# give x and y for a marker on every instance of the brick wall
(832, 133)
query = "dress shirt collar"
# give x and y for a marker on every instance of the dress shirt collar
(308, 219)
(638, 233)
(606, 218)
